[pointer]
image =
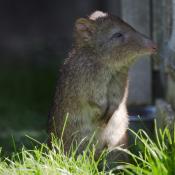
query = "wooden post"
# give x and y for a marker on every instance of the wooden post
(164, 35)
(137, 13)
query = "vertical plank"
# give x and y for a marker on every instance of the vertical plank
(170, 57)
(161, 27)
(137, 13)
(161, 30)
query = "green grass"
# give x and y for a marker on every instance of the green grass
(153, 158)
(50, 162)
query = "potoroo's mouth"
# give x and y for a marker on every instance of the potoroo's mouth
(150, 46)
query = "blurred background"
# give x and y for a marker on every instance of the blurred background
(35, 38)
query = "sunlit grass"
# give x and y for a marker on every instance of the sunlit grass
(153, 158)
(52, 161)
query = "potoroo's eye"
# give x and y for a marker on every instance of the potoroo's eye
(116, 35)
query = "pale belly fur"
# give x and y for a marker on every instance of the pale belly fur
(115, 130)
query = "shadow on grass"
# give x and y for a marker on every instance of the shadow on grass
(26, 93)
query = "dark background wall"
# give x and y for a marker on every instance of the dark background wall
(33, 25)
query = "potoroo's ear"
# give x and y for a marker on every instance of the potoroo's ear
(85, 28)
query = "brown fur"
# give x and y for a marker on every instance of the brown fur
(92, 85)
